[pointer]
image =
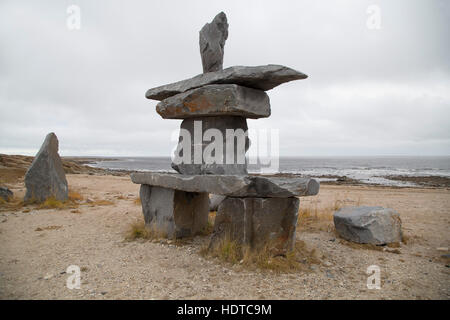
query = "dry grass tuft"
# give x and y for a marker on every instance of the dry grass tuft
(48, 228)
(409, 239)
(14, 204)
(210, 227)
(52, 203)
(299, 259)
(313, 218)
(405, 238)
(75, 196)
(139, 230)
(316, 219)
(101, 203)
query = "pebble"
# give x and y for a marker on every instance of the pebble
(48, 276)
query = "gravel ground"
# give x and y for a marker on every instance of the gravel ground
(38, 246)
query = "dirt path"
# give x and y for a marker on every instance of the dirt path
(37, 247)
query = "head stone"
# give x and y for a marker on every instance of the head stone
(212, 41)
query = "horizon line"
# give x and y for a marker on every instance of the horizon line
(281, 156)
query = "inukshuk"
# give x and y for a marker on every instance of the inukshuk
(214, 107)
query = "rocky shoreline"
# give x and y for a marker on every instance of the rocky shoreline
(423, 181)
(416, 181)
(13, 167)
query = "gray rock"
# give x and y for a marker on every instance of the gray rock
(374, 225)
(257, 222)
(260, 77)
(227, 160)
(231, 185)
(174, 213)
(216, 100)
(280, 187)
(214, 201)
(46, 178)
(217, 184)
(5, 193)
(212, 39)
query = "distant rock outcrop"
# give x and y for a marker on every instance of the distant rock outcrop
(5, 193)
(46, 178)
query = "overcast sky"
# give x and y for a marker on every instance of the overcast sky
(370, 91)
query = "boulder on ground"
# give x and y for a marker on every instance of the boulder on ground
(373, 225)
(5, 193)
(46, 178)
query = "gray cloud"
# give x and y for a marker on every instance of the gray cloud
(368, 92)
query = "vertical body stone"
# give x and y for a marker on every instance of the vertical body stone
(212, 145)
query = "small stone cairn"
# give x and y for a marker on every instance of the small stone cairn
(257, 209)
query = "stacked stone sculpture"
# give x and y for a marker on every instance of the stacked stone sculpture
(257, 209)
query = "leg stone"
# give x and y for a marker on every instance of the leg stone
(173, 212)
(257, 221)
